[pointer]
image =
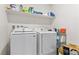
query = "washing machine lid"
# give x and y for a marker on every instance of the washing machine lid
(22, 32)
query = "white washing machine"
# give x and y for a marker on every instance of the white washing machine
(47, 43)
(23, 43)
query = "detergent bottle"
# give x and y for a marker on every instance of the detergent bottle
(62, 36)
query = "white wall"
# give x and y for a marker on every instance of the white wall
(3, 28)
(68, 16)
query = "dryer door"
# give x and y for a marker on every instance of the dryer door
(48, 43)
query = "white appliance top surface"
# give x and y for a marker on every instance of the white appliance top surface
(24, 32)
(21, 32)
(30, 28)
(46, 31)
